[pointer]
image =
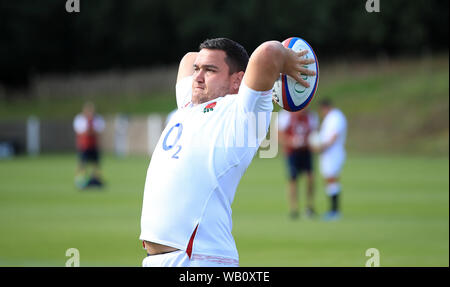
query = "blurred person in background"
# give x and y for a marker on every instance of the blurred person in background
(333, 132)
(88, 125)
(294, 129)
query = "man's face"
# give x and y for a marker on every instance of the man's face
(89, 111)
(211, 78)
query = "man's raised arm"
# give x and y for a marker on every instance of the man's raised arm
(272, 58)
(186, 67)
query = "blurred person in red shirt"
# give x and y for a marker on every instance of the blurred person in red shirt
(88, 125)
(294, 129)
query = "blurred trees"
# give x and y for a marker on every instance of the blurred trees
(41, 37)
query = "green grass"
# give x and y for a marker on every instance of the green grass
(397, 204)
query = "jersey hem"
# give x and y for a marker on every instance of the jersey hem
(229, 254)
(163, 242)
(224, 255)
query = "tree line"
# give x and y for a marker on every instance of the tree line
(42, 37)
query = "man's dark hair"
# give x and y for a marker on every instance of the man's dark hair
(237, 56)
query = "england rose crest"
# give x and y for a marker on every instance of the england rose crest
(209, 107)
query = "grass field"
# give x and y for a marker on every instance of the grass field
(397, 204)
(395, 198)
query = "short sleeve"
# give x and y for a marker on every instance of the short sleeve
(79, 124)
(283, 120)
(334, 124)
(337, 123)
(183, 90)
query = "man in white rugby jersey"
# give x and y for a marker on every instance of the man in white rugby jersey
(333, 132)
(206, 147)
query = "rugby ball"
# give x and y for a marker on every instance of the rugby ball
(287, 92)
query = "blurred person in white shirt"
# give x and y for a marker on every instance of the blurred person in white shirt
(333, 133)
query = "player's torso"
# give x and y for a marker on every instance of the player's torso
(196, 134)
(299, 124)
(300, 127)
(87, 137)
(333, 123)
(195, 148)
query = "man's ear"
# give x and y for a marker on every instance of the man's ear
(236, 80)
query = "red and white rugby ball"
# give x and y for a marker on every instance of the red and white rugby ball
(287, 92)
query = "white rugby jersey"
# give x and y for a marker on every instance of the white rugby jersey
(196, 167)
(334, 123)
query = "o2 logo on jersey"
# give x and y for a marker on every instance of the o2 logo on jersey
(167, 147)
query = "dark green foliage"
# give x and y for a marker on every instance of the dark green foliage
(41, 37)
